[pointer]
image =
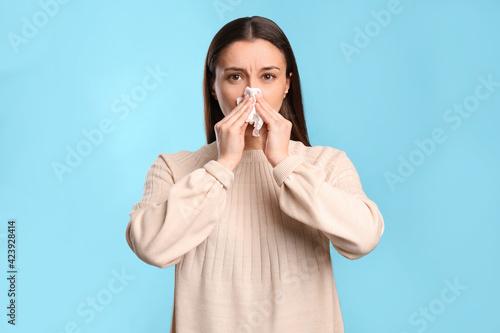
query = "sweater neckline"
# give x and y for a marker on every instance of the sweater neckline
(248, 155)
(253, 155)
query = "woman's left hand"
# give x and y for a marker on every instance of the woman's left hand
(275, 132)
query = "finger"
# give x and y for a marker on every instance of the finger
(265, 115)
(244, 115)
(239, 118)
(229, 119)
(264, 106)
(238, 109)
(245, 101)
(243, 127)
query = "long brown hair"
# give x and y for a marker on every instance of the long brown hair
(249, 29)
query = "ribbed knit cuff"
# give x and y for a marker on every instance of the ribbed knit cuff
(284, 168)
(220, 172)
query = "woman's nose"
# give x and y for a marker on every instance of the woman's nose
(253, 82)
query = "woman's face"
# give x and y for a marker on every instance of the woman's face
(257, 64)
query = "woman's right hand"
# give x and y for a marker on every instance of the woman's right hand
(230, 134)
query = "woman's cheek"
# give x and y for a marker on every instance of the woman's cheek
(276, 104)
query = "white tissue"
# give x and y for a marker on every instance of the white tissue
(254, 117)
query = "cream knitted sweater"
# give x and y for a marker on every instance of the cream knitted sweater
(251, 247)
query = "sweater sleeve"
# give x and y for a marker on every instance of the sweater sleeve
(335, 204)
(174, 217)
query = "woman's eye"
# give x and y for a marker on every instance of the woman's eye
(236, 77)
(269, 76)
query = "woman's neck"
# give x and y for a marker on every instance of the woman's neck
(252, 142)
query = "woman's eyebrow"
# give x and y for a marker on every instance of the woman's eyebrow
(243, 70)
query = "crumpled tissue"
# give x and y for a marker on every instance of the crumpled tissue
(254, 117)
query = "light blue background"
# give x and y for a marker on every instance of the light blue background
(442, 222)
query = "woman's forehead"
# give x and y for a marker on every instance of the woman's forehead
(259, 53)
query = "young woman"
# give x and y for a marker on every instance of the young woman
(248, 220)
